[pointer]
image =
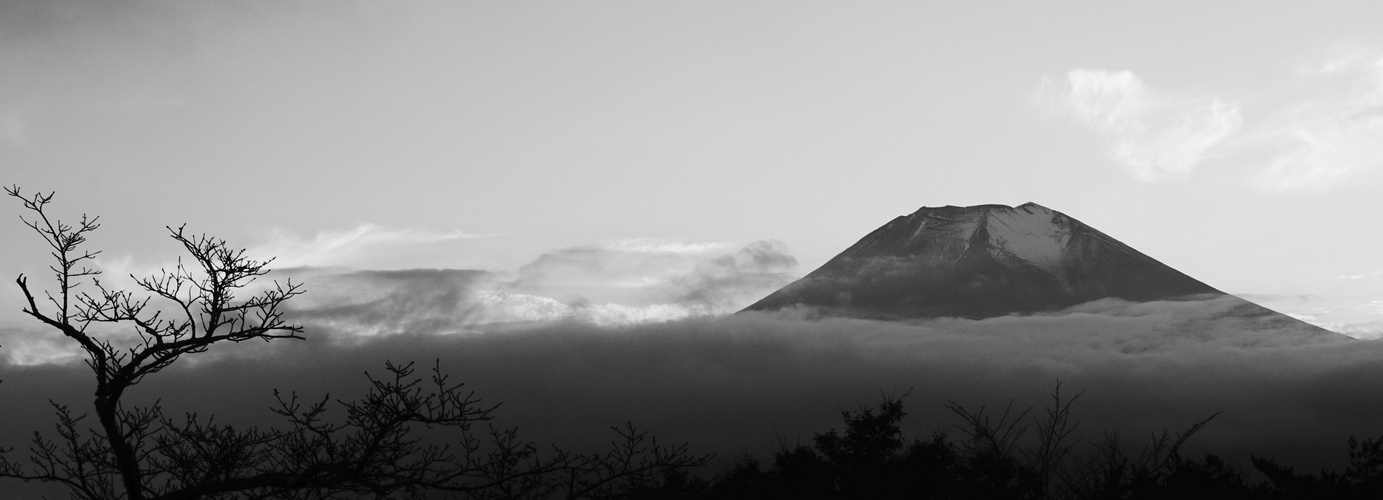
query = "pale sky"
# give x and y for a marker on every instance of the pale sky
(1239, 142)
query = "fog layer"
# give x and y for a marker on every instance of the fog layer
(737, 385)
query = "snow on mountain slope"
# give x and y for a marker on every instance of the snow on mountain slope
(1031, 233)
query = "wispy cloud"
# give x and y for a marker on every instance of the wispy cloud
(1156, 135)
(1374, 274)
(345, 247)
(1340, 58)
(1331, 136)
(1320, 124)
(655, 246)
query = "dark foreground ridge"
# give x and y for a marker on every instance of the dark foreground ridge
(985, 261)
(991, 457)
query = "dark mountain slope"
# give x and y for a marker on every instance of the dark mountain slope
(985, 261)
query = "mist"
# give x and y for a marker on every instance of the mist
(746, 383)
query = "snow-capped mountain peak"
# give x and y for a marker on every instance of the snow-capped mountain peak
(982, 261)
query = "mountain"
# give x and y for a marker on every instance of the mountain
(985, 261)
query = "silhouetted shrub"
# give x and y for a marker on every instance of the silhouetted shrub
(869, 458)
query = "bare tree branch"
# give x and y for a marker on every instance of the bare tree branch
(387, 443)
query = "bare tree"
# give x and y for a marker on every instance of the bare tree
(376, 450)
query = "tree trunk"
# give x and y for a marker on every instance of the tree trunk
(125, 460)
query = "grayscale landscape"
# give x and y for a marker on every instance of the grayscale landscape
(711, 250)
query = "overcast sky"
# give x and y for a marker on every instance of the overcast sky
(1239, 142)
(429, 168)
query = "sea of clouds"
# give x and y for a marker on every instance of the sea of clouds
(585, 338)
(740, 384)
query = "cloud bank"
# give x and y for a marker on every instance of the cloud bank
(732, 385)
(623, 282)
(616, 283)
(1320, 127)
